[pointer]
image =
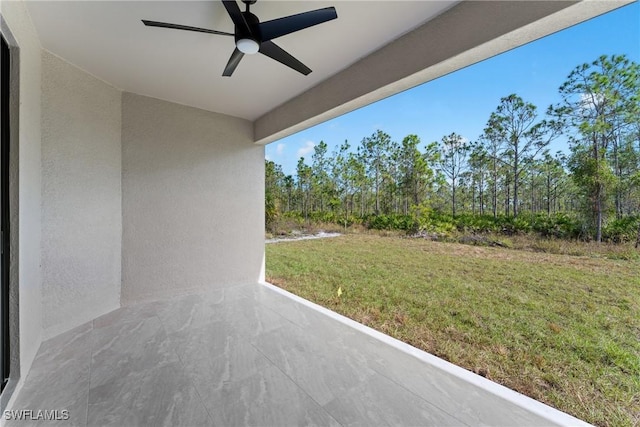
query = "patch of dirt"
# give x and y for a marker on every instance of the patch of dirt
(299, 236)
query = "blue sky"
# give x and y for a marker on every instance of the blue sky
(461, 102)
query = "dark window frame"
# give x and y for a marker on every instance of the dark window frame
(5, 357)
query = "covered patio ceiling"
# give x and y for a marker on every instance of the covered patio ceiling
(107, 39)
(373, 50)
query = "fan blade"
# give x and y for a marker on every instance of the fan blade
(289, 24)
(274, 51)
(183, 27)
(236, 16)
(236, 56)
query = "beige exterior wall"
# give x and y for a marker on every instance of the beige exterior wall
(26, 326)
(81, 196)
(193, 200)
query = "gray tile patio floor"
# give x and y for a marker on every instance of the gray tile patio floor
(254, 355)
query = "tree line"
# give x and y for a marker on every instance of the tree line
(509, 172)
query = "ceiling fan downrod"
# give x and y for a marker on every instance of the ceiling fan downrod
(249, 3)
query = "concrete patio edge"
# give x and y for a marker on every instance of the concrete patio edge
(525, 402)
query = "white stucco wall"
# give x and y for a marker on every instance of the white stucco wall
(81, 195)
(17, 21)
(193, 200)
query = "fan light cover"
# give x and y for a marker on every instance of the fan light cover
(247, 46)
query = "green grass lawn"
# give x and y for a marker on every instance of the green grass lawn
(562, 329)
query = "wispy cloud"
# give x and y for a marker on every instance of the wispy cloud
(306, 148)
(590, 101)
(267, 157)
(280, 148)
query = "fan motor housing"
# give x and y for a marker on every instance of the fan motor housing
(254, 29)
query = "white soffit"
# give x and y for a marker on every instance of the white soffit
(108, 40)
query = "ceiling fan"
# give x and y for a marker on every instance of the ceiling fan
(253, 36)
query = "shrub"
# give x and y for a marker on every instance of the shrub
(477, 223)
(430, 221)
(558, 225)
(390, 222)
(621, 230)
